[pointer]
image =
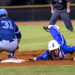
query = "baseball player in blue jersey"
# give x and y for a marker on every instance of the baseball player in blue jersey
(10, 35)
(57, 48)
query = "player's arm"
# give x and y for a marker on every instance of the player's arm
(17, 31)
(68, 49)
(52, 6)
(18, 35)
(45, 56)
(68, 6)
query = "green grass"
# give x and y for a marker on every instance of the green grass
(36, 38)
(39, 70)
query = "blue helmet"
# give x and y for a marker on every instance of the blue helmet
(3, 12)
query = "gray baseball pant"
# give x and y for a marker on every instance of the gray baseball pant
(64, 16)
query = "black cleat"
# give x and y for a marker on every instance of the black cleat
(46, 28)
(71, 30)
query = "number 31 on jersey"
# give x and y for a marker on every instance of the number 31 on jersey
(6, 24)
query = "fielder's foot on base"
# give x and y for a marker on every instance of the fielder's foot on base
(46, 28)
(11, 57)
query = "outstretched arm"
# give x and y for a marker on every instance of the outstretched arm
(45, 56)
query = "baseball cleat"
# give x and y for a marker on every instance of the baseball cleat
(46, 28)
(71, 30)
(11, 57)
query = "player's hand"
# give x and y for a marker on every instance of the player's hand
(68, 10)
(52, 11)
(17, 47)
(19, 41)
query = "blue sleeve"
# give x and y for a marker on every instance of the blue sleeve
(57, 36)
(17, 32)
(68, 49)
(44, 56)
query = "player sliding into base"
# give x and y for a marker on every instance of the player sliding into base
(57, 48)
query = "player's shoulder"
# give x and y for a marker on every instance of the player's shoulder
(10, 19)
(7, 18)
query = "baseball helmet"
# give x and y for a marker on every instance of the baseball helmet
(52, 45)
(3, 12)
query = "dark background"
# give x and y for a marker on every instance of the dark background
(25, 2)
(31, 13)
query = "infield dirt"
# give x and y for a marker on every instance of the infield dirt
(25, 55)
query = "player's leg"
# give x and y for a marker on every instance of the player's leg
(54, 17)
(52, 20)
(66, 18)
(13, 47)
(9, 46)
(11, 54)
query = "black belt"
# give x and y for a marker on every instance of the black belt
(8, 40)
(11, 40)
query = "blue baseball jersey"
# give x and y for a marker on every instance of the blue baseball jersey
(8, 29)
(61, 55)
(64, 49)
